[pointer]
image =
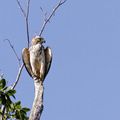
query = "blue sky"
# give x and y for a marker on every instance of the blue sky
(84, 80)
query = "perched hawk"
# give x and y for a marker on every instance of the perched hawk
(37, 59)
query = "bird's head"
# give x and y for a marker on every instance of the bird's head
(37, 39)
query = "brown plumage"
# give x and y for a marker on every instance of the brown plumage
(37, 59)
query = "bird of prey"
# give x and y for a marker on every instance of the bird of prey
(37, 59)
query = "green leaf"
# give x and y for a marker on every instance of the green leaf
(25, 109)
(13, 116)
(17, 115)
(2, 83)
(12, 110)
(18, 105)
(1, 92)
(5, 88)
(12, 106)
(3, 100)
(11, 92)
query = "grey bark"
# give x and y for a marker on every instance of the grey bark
(37, 107)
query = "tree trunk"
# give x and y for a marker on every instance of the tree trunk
(37, 107)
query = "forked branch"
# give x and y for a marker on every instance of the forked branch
(18, 76)
(22, 10)
(12, 47)
(20, 66)
(26, 15)
(50, 16)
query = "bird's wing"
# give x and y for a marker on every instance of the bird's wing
(48, 60)
(26, 61)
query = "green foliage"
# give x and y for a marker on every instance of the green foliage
(10, 110)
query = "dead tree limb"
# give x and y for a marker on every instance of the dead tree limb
(37, 107)
(18, 76)
(26, 16)
(20, 66)
(14, 51)
(50, 16)
(27, 22)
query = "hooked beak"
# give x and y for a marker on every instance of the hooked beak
(43, 41)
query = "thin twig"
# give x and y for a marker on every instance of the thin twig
(50, 16)
(22, 10)
(12, 47)
(43, 12)
(27, 24)
(26, 15)
(27, 30)
(28, 8)
(41, 8)
(18, 76)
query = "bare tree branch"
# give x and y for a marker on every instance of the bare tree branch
(12, 47)
(44, 13)
(22, 10)
(41, 8)
(18, 76)
(26, 15)
(50, 16)
(27, 24)
(28, 7)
